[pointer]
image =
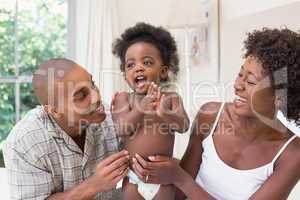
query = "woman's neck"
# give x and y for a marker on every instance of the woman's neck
(252, 128)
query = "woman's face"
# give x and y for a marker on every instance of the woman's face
(253, 90)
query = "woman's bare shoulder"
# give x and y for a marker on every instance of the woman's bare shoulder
(292, 151)
(290, 157)
(208, 111)
(205, 118)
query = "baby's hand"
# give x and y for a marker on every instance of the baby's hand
(150, 102)
(159, 104)
(154, 92)
(160, 108)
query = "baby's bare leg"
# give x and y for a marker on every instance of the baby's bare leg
(130, 191)
(165, 192)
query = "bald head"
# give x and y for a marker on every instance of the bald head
(45, 77)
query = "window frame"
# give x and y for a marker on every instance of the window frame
(19, 79)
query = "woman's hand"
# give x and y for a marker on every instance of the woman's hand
(161, 170)
(165, 170)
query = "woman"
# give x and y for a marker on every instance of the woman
(240, 150)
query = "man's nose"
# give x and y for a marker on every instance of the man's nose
(95, 96)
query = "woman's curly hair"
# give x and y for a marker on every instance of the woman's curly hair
(278, 50)
(157, 36)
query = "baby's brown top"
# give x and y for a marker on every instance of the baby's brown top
(145, 131)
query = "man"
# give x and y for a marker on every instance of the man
(65, 148)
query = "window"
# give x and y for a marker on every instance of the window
(31, 31)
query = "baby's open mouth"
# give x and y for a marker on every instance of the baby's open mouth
(140, 81)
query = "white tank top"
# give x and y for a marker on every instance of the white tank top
(226, 183)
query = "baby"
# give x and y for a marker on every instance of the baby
(147, 117)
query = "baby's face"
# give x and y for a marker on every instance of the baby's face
(143, 65)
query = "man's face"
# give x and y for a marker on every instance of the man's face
(79, 100)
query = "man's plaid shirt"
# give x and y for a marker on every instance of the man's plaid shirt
(41, 159)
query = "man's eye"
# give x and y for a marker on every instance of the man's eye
(80, 96)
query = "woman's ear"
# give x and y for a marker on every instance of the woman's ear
(164, 72)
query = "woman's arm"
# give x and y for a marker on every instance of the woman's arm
(285, 176)
(165, 170)
(192, 190)
(201, 127)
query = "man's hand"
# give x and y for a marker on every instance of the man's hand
(107, 174)
(110, 171)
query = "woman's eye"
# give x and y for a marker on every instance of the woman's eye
(251, 82)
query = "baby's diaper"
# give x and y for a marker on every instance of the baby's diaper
(146, 190)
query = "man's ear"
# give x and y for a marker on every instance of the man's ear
(164, 72)
(52, 111)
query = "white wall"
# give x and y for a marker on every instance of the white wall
(233, 8)
(233, 31)
(132, 11)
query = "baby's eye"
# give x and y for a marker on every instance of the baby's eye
(129, 65)
(148, 62)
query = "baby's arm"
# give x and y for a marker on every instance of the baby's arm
(126, 119)
(175, 114)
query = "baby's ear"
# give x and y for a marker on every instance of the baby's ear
(164, 72)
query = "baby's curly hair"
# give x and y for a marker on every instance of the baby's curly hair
(157, 36)
(278, 50)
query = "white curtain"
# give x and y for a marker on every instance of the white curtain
(93, 26)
